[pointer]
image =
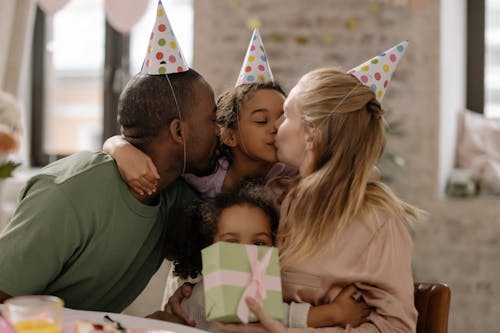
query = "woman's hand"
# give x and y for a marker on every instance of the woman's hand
(136, 168)
(266, 323)
(174, 303)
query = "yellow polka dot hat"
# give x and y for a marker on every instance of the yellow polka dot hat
(255, 67)
(377, 72)
(164, 55)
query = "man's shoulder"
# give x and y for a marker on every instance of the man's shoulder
(179, 191)
(83, 163)
(81, 170)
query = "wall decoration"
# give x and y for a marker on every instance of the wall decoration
(302, 40)
(352, 24)
(276, 37)
(121, 14)
(52, 6)
(253, 23)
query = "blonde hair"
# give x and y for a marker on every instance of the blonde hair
(348, 139)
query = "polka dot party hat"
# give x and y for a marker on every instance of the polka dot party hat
(377, 72)
(255, 67)
(164, 55)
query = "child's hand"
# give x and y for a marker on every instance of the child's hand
(353, 309)
(348, 307)
(174, 303)
(135, 167)
(266, 323)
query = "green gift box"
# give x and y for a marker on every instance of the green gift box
(231, 272)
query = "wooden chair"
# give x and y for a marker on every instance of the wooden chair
(432, 301)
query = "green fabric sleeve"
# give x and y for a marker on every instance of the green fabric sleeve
(39, 240)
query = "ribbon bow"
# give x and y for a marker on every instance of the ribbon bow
(255, 286)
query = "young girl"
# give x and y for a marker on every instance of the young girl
(247, 217)
(247, 116)
(336, 227)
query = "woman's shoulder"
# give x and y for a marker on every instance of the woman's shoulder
(381, 220)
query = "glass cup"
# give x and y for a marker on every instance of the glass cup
(34, 314)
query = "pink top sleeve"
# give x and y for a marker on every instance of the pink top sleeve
(209, 186)
(279, 170)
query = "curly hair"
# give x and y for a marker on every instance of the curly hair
(229, 104)
(200, 225)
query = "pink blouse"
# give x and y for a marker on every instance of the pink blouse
(209, 186)
(374, 253)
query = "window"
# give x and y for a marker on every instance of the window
(80, 65)
(483, 57)
(492, 59)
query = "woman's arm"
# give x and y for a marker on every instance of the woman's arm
(348, 308)
(267, 324)
(136, 168)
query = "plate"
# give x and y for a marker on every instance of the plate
(155, 326)
(146, 324)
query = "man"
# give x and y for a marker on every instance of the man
(80, 233)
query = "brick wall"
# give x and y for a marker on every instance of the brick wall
(460, 242)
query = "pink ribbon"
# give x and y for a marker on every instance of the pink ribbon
(255, 286)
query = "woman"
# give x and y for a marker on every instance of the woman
(337, 228)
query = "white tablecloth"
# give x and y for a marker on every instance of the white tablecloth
(69, 316)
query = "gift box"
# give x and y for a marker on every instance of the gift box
(232, 272)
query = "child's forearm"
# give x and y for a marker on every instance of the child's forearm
(323, 316)
(112, 143)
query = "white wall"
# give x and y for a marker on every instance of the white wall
(453, 50)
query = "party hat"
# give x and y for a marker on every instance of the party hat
(164, 55)
(255, 67)
(377, 72)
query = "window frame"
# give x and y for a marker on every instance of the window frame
(116, 60)
(475, 55)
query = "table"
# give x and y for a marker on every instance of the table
(70, 315)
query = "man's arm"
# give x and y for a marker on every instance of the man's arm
(3, 296)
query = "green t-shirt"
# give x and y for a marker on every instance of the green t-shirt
(79, 234)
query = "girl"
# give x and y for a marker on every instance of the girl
(247, 116)
(336, 227)
(247, 217)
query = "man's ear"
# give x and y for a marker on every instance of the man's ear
(228, 137)
(176, 131)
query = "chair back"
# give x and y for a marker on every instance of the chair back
(432, 301)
